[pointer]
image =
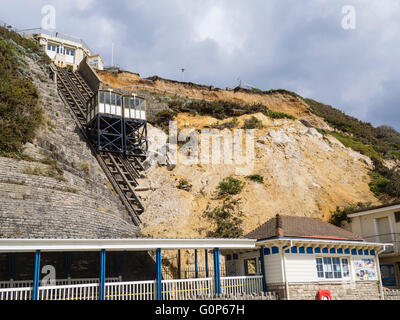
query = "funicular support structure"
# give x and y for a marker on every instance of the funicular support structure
(122, 171)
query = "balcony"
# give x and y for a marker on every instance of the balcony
(393, 238)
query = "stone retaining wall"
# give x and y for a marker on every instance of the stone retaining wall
(391, 294)
(360, 290)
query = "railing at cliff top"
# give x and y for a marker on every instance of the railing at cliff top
(162, 91)
(54, 34)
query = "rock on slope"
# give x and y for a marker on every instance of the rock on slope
(305, 173)
(66, 198)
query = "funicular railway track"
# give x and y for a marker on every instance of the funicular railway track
(122, 171)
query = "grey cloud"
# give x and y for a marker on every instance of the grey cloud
(291, 44)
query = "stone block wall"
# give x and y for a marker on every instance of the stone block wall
(360, 290)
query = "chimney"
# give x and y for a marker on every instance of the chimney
(279, 230)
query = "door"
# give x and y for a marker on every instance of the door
(384, 232)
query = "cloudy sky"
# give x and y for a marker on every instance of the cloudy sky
(269, 44)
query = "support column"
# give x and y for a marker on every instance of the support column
(11, 267)
(158, 275)
(179, 264)
(196, 271)
(206, 261)
(36, 276)
(217, 278)
(102, 274)
(264, 281)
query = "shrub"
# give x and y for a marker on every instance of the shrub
(252, 123)
(184, 185)
(20, 113)
(256, 178)
(226, 219)
(340, 215)
(230, 186)
(163, 118)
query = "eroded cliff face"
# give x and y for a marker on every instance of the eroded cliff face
(304, 172)
(61, 192)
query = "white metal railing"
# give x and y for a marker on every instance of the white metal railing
(241, 285)
(58, 282)
(185, 289)
(135, 290)
(16, 294)
(87, 291)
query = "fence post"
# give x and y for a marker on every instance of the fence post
(196, 271)
(36, 276)
(102, 274)
(217, 278)
(206, 261)
(179, 264)
(264, 282)
(158, 275)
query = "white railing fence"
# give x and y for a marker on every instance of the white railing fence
(241, 285)
(58, 282)
(87, 291)
(183, 289)
(16, 294)
(135, 290)
(186, 289)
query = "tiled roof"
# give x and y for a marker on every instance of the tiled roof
(303, 227)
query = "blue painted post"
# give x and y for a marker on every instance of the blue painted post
(120, 264)
(264, 282)
(158, 275)
(217, 278)
(206, 261)
(196, 271)
(179, 264)
(102, 274)
(11, 268)
(36, 276)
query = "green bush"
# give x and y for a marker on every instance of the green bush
(20, 112)
(256, 178)
(163, 118)
(226, 219)
(252, 123)
(340, 215)
(230, 186)
(183, 184)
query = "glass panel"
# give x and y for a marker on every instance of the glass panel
(320, 268)
(107, 97)
(118, 100)
(328, 268)
(112, 98)
(101, 97)
(345, 267)
(337, 271)
(250, 266)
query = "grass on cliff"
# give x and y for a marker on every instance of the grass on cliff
(20, 112)
(378, 143)
(219, 109)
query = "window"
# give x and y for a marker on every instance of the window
(345, 265)
(250, 266)
(332, 268)
(397, 216)
(320, 268)
(107, 98)
(118, 100)
(328, 272)
(101, 97)
(337, 271)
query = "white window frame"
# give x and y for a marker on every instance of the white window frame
(325, 267)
